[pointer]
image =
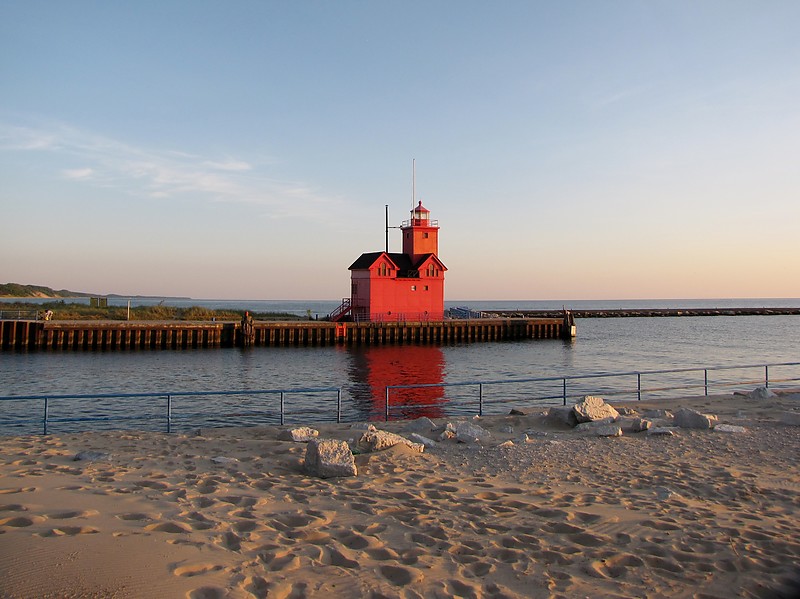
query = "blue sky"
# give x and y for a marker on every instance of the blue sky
(569, 150)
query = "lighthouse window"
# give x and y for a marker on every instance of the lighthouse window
(413, 288)
(424, 235)
(426, 287)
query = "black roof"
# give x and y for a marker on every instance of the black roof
(402, 261)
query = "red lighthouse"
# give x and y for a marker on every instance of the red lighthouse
(409, 286)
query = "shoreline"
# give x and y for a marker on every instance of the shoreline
(231, 512)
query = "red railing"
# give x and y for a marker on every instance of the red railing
(341, 311)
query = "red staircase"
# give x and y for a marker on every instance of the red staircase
(340, 312)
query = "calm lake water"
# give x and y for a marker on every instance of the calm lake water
(362, 373)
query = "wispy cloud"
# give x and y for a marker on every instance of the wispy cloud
(165, 173)
(229, 165)
(77, 173)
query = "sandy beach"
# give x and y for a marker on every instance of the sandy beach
(232, 512)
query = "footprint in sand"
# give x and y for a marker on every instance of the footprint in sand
(151, 484)
(230, 541)
(17, 490)
(21, 521)
(256, 586)
(341, 560)
(204, 502)
(69, 531)
(135, 516)
(353, 540)
(614, 567)
(68, 515)
(207, 593)
(400, 576)
(280, 561)
(168, 527)
(239, 500)
(194, 569)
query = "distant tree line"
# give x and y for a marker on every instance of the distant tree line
(19, 290)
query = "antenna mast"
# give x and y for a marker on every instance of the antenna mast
(413, 183)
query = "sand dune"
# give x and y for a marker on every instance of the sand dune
(230, 513)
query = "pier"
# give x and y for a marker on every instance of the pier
(104, 335)
(645, 312)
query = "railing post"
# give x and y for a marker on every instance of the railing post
(169, 413)
(338, 406)
(44, 421)
(639, 386)
(705, 380)
(387, 404)
(282, 409)
(564, 390)
(766, 376)
(480, 399)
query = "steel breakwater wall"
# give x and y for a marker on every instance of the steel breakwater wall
(88, 335)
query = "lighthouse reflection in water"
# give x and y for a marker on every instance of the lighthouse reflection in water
(373, 369)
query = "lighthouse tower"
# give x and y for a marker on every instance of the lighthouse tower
(420, 234)
(407, 286)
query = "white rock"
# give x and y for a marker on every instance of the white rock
(761, 393)
(608, 430)
(303, 434)
(592, 425)
(447, 434)
(657, 414)
(223, 460)
(627, 411)
(417, 438)
(633, 424)
(562, 415)
(466, 432)
(729, 428)
(421, 425)
(686, 418)
(593, 408)
(328, 458)
(661, 430)
(380, 440)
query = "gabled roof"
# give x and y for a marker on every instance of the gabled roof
(402, 262)
(366, 261)
(427, 257)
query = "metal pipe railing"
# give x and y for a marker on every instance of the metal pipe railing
(639, 390)
(566, 383)
(168, 415)
(19, 315)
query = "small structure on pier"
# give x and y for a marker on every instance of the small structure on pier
(393, 287)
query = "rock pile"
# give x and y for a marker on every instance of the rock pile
(590, 416)
(593, 415)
